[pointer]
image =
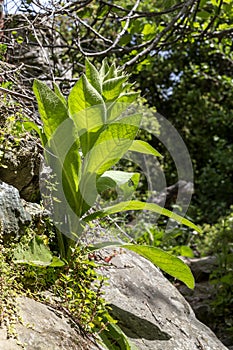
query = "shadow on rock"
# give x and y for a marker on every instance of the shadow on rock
(136, 327)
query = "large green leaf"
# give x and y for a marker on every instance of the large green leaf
(165, 261)
(52, 110)
(65, 161)
(36, 254)
(110, 146)
(137, 205)
(83, 96)
(116, 109)
(88, 111)
(121, 177)
(144, 148)
(71, 176)
(170, 264)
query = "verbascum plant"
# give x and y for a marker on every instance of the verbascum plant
(84, 137)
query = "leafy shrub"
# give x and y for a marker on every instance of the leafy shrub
(76, 286)
(218, 240)
(177, 241)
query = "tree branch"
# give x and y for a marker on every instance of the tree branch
(183, 12)
(17, 94)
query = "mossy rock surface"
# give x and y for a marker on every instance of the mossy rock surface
(45, 328)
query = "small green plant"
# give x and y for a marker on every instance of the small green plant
(173, 241)
(9, 289)
(13, 133)
(3, 49)
(80, 289)
(217, 238)
(84, 137)
(76, 286)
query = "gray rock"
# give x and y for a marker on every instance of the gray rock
(13, 217)
(44, 328)
(151, 311)
(16, 213)
(21, 169)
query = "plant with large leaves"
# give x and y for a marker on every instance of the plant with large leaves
(84, 137)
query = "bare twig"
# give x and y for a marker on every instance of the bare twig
(13, 93)
(65, 35)
(118, 37)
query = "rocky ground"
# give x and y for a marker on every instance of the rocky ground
(149, 308)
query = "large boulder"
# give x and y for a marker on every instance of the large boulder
(151, 311)
(44, 328)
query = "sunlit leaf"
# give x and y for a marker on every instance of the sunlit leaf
(137, 205)
(52, 110)
(166, 262)
(82, 96)
(37, 253)
(126, 182)
(144, 147)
